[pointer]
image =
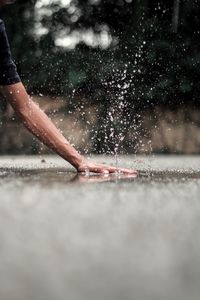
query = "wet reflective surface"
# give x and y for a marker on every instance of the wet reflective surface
(69, 236)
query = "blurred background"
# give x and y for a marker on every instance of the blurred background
(115, 76)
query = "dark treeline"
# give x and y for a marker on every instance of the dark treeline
(122, 56)
(154, 48)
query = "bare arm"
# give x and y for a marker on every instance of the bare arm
(42, 127)
(39, 124)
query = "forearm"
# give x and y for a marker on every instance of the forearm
(39, 124)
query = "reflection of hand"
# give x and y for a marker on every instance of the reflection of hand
(87, 167)
(101, 177)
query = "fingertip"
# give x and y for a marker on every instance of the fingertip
(134, 172)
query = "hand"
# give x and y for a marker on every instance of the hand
(104, 169)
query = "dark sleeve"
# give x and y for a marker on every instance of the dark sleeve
(8, 70)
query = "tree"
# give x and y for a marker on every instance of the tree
(175, 16)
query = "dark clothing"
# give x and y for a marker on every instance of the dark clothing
(8, 70)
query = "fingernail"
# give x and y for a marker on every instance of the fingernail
(106, 172)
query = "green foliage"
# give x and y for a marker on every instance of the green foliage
(160, 66)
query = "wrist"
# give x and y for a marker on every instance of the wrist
(77, 161)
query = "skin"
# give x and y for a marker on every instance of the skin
(4, 2)
(37, 122)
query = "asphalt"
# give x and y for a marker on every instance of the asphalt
(68, 236)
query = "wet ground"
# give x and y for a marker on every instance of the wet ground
(67, 236)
